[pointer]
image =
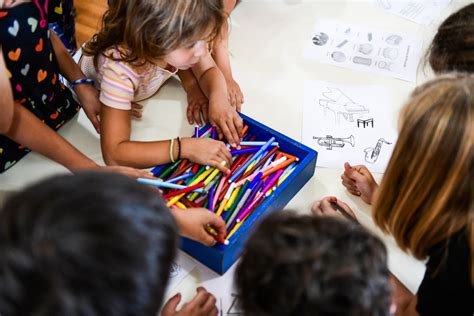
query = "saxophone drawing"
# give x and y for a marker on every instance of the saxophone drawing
(372, 154)
(329, 141)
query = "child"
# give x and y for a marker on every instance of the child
(141, 44)
(34, 60)
(296, 265)
(452, 48)
(89, 244)
(197, 101)
(425, 200)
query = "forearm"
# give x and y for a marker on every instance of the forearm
(213, 84)
(6, 98)
(188, 80)
(67, 66)
(29, 131)
(403, 298)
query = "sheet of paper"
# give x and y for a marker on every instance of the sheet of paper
(349, 123)
(390, 54)
(418, 11)
(223, 289)
(180, 268)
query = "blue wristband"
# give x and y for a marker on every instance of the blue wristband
(79, 81)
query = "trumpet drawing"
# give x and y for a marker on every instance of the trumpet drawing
(329, 141)
(372, 154)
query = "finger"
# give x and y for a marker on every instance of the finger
(206, 239)
(189, 114)
(218, 223)
(200, 298)
(232, 99)
(95, 121)
(239, 124)
(346, 207)
(171, 305)
(233, 133)
(197, 115)
(209, 305)
(136, 114)
(214, 311)
(217, 164)
(326, 205)
(348, 182)
(227, 134)
(137, 106)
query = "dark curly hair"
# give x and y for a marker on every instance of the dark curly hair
(88, 244)
(297, 265)
(452, 48)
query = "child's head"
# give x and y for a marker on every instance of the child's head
(297, 265)
(88, 244)
(426, 193)
(152, 30)
(452, 48)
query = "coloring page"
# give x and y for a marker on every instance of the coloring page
(390, 54)
(180, 268)
(223, 289)
(349, 123)
(418, 11)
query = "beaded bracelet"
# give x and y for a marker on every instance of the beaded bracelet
(79, 81)
(171, 150)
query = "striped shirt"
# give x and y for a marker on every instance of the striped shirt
(121, 83)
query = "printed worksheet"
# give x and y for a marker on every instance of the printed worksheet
(418, 11)
(223, 289)
(180, 268)
(349, 123)
(392, 54)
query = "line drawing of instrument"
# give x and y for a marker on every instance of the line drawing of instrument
(372, 153)
(341, 105)
(329, 141)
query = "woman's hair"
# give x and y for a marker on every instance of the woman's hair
(150, 29)
(85, 244)
(426, 195)
(452, 48)
(305, 265)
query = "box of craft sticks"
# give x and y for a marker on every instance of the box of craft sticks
(221, 257)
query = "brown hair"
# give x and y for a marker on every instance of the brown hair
(150, 29)
(452, 48)
(426, 194)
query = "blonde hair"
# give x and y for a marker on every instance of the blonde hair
(150, 29)
(426, 195)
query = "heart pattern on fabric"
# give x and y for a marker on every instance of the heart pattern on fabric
(39, 47)
(14, 55)
(54, 115)
(9, 164)
(1, 150)
(33, 23)
(44, 98)
(24, 70)
(18, 88)
(3, 14)
(53, 81)
(42, 74)
(59, 10)
(13, 30)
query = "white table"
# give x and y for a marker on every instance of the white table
(267, 40)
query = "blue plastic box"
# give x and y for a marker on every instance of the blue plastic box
(220, 258)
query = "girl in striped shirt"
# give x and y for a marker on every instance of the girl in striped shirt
(142, 44)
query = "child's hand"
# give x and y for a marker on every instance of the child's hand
(89, 99)
(197, 104)
(137, 110)
(359, 181)
(128, 171)
(227, 121)
(323, 207)
(236, 97)
(203, 304)
(206, 151)
(192, 223)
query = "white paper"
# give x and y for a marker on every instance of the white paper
(392, 54)
(349, 123)
(223, 289)
(180, 268)
(418, 11)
